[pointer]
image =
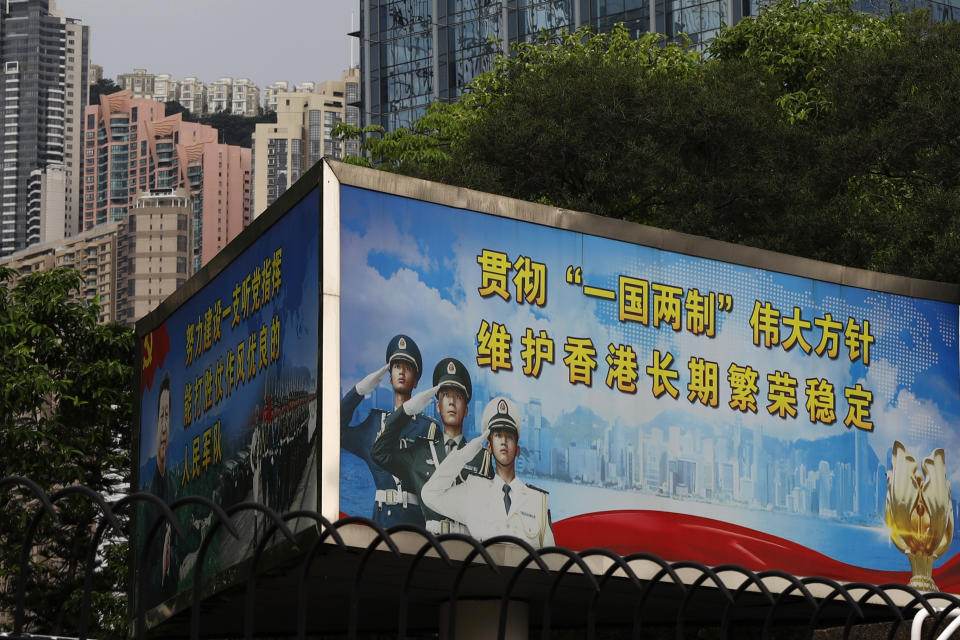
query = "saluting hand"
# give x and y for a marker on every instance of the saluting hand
(370, 382)
(481, 440)
(420, 401)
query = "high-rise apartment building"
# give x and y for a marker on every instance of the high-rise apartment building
(193, 95)
(226, 197)
(220, 95)
(44, 58)
(129, 266)
(271, 92)
(131, 148)
(140, 84)
(414, 52)
(46, 200)
(302, 136)
(245, 100)
(93, 253)
(155, 251)
(165, 88)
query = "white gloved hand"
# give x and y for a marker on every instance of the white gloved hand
(366, 386)
(481, 439)
(420, 401)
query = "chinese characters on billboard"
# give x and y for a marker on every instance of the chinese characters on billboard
(228, 401)
(504, 377)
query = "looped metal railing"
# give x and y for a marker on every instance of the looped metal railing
(726, 595)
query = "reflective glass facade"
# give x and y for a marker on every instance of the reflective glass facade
(414, 52)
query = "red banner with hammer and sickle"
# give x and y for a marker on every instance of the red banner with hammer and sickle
(153, 351)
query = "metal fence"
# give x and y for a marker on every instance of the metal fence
(588, 593)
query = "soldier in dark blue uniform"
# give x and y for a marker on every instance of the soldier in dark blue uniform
(414, 462)
(394, 502)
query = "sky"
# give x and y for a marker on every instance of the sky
(266, 41)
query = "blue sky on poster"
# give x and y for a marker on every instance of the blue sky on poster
(416, 271)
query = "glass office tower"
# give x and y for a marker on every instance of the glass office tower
(414, 52)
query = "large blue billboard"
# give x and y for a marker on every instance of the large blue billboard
(641, 400)
(228, 400)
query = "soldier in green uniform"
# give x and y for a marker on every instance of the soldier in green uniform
(415, 461)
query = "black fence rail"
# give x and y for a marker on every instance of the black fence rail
(408, 575)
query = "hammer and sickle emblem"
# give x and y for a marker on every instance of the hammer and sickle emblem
(147, 350)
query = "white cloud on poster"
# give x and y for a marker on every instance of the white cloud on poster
(385, 237)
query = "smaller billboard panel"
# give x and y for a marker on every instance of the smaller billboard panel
(228, 401)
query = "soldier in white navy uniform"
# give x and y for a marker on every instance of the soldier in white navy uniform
(501, 505)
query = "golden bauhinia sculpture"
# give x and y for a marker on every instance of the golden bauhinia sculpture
(919, 512)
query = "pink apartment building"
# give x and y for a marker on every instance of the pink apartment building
(130, 147)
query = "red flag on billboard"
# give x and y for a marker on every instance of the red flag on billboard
(153, 351)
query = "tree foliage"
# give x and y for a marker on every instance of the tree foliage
(232, 129)
(66, 394)
(102, 87)
(809, 129)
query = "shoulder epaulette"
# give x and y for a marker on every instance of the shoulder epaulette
(485, 470)
(536, 488)
(479, 474)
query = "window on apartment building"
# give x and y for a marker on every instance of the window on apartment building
(91, 123)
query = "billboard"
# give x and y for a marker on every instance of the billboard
(379, 346)
(228, 397)
(641, 399)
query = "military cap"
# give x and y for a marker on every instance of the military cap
(450, 372)
(404, 348)
(501, 413)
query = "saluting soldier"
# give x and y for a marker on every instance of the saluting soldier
(501, 505)
(394, 501)
(416, 461)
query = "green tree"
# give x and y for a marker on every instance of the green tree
(234, 129)
(172, 107)
(102, 87)
(797, 42)
(66, 394)
(890, 160)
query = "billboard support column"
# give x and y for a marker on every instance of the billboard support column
(480, 619)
